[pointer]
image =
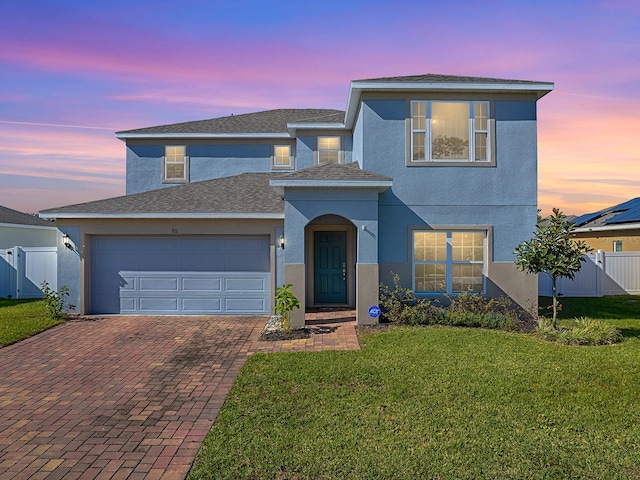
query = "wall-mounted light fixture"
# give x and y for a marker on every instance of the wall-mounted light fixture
(282, 241)
(66, 240)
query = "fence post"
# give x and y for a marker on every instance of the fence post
(600, 263)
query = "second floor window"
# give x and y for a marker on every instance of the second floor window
(176, 164)
(282, 157)
(450, 131)
(329, 150)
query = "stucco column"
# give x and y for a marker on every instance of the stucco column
(366, 292)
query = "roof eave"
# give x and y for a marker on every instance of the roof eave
(208, 215)
(357, 87)
(132, 135)
(293, 127)
(609, 227)
(379, 185)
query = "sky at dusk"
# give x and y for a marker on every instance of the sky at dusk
(73, 72)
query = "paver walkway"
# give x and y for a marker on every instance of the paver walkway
(128, 397)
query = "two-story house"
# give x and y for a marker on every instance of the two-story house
(430, 177)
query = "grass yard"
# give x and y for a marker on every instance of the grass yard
(605, 308)
(20, 319)
(436, 402)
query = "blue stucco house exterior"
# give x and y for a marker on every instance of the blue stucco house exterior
(429, 177)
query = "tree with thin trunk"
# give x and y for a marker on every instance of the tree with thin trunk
(552, 251)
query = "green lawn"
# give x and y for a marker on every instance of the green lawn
(618, 307)
(20, 319)
(436, 402)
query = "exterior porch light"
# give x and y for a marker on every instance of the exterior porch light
(66, 240)
(281, 241)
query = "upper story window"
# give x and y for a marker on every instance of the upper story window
(450, 131)
(329, 149)
(448, 261)
(176, 164)
(282, 157)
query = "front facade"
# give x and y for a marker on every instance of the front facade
(432, 178)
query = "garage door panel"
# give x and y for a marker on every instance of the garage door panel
(202, 284)
(180, 275)
(245, 284)
(158, 283)
(240, 305)
(202, 305)
(158, 304)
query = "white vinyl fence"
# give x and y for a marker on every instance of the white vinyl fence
(23, 269)
(603, 273)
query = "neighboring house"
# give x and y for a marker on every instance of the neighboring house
(430, 177)
(27, 254)
(21, 229)
(613, 229)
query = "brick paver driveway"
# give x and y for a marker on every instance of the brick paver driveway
(117, 397)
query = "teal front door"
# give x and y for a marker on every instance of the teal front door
(330, 267)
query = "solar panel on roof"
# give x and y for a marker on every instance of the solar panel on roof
(631, 215)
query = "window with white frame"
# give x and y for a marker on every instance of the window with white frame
(176, 164)
(448, 261)
(450, 131)
(617, 245)
(329, 149)
(282, 157)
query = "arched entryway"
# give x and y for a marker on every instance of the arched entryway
(330, 259)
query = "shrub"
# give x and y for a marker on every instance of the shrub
(286, 303)
(55, 301)
(584, 331)
(474, 310)
(403, 307)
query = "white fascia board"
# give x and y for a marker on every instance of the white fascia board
(608, 228)
(35, 227)
(280, 185)
(356, 89)
(294, 126)
(253, 216)
(125, 136)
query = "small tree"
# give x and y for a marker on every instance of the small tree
(552, 251)
(286, 303)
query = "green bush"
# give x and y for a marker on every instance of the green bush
(286, 303)
(474, 310)
(55, 301)
(402, 306)
(584, 331)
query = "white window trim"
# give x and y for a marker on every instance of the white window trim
(449, 262)
(490, 160)
(340, 151)
(290, 165)
(185, 178)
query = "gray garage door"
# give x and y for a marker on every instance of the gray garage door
(180, 275)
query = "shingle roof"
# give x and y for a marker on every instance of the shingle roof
(626, 212)
(247, 193)
(7, 215)
(269, 121)
(335, 171)
(437, 78)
